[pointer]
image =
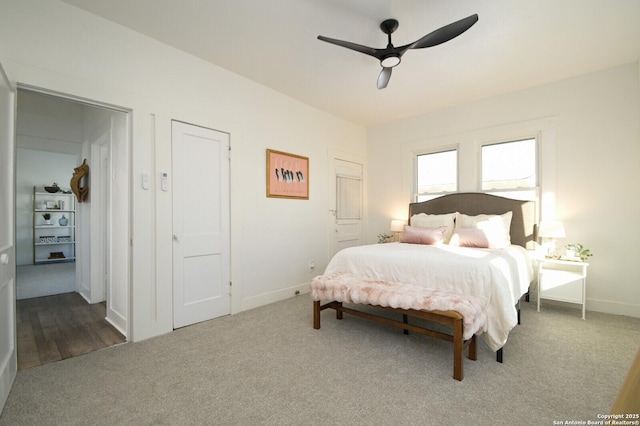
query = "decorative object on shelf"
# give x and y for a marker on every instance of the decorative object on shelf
(384, 238)
(550, 230)
(52, 189)
(47, 218)
(63, 221)
(80, 172)
(56, 255)
(287, 175)
(578, 250)
(397, 226)
(64, 239)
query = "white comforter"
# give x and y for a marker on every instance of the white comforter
(499, 277)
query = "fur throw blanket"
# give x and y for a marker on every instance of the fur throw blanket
(348, 288)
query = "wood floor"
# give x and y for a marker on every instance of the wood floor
(53, 328)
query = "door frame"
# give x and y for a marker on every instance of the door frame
(99, 227)
(126, 330)
(9, 360)
(334, 156)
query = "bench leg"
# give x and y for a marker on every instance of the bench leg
(458, 347)
(499, 355)
(339, 314)
(473, 349)
(316, 315)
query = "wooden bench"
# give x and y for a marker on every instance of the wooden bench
(408, 300)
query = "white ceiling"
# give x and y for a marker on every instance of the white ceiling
(515, 44)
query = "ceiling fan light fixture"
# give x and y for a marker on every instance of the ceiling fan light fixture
(389, 57)
(390, 61)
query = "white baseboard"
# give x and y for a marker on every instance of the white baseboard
(84, 296)
(276, 296)
(118, 327)
(594, 305)
(615, 308)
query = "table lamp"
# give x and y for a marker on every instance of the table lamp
(397, 226)
(551, 230)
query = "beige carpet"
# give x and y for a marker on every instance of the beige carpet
(269, 367)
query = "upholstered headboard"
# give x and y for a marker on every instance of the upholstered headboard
(523, 223)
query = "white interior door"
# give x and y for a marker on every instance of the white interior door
(348, 205)
(201, 260)
(8, 358)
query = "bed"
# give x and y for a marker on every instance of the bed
(498, 275)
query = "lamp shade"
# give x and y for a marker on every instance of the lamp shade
(551, 229)
(397, 225)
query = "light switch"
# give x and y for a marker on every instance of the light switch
(164, 181)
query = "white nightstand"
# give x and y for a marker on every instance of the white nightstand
(562, 280)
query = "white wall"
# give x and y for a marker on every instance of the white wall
(590, 160)
(53, 45)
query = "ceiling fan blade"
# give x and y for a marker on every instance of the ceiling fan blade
(443, 34)
(383, 78)
(353, 46)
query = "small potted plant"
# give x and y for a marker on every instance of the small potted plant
(578, 250)
(47, 218)
(384, 238)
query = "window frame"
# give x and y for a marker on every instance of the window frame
(511, 192)
(418, 196)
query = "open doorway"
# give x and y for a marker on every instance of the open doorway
(65, 268)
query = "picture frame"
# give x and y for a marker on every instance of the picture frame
(51, 205)
(287, 175)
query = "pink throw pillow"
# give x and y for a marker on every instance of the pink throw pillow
(427, 236)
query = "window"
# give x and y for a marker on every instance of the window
(437, 173)
(510, 166)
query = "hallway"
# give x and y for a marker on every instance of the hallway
(53, 328)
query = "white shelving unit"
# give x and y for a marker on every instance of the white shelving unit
(54, 241)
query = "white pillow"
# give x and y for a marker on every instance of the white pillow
(496, 227)
(423, 220)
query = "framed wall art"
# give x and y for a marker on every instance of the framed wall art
(287, 175)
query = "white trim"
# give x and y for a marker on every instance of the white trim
(275, 296)
(603, 306)
(536, 138)
(469, 144)
(8, 351)
(71, 98)
(415, 192)
(123, 317)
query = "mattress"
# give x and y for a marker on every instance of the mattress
(499, 277)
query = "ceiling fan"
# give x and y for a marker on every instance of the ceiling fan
(390, 56)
